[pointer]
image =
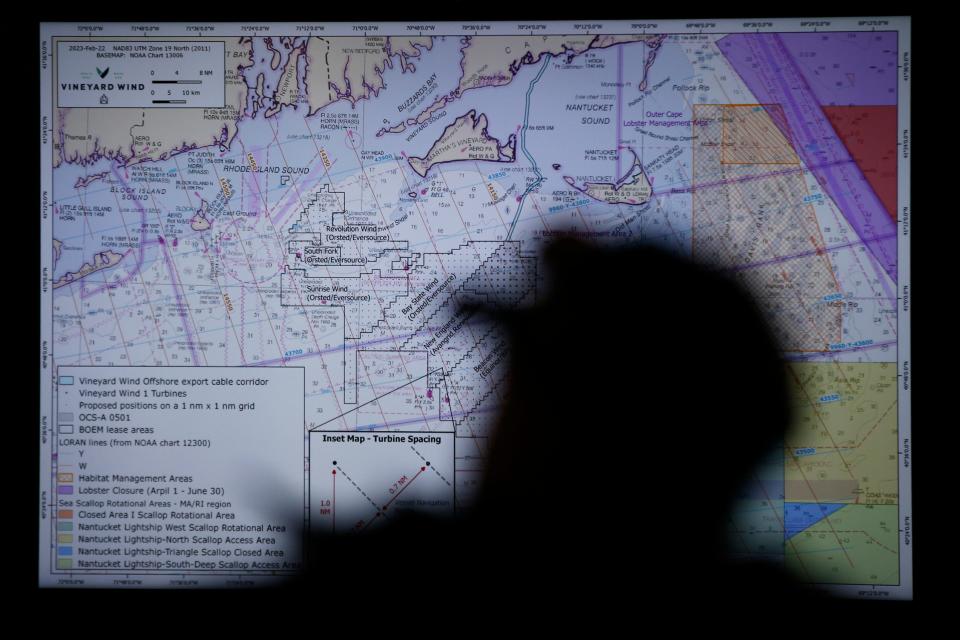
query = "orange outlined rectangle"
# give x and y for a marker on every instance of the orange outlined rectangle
(750, 134)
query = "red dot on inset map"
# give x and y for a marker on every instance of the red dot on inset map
(334, 472)
(423, 468)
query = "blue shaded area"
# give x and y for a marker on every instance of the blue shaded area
(799, 516)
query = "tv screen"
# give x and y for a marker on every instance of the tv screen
(263, 244)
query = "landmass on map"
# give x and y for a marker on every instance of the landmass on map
(351, 68)
(465, 139)
(101, 261)
(633, 188)
(288, 88)
(493, 61)
(85, 181)
(199, 221)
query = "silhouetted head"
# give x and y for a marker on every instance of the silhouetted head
(644, 389)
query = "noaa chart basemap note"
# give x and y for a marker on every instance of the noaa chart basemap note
(258, 239)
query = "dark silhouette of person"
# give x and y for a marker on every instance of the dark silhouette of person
(644, 390)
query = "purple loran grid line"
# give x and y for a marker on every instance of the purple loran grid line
(764, 64)
(453, 415)
(619, 104)
(348, 346)
(181, 303)
(714, 184)
(802, 254)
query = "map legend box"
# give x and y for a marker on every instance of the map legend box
(180, 469)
